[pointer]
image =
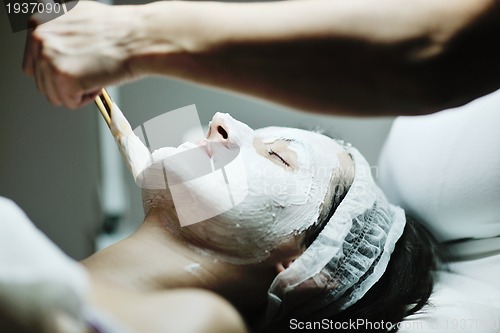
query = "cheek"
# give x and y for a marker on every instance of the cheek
(277, 205)
(278, 186)
(278, 202)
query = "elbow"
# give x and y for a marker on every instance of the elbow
(448, 85)
(456, 71)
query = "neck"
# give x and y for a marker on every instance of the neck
(155, 258)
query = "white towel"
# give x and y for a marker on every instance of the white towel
(37, 280)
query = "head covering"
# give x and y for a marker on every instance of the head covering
(346, 259)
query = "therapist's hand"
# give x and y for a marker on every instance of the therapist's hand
(76, 54)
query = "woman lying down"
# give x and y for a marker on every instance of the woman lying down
(311, 238)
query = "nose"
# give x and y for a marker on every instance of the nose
(217, 130)
(228, 131)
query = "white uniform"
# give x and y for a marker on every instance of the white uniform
(444, 169)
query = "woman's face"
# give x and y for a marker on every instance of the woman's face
(269, 185)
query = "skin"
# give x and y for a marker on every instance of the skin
(152, 265)
(359, 57)
(142, 282)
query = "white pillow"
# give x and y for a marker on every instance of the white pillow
(459, 302)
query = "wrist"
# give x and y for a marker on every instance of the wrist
(165, 36)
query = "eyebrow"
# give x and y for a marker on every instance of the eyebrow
(285, 139)
(297, 143)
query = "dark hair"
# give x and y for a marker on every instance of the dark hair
(405, 286)
(403, 289)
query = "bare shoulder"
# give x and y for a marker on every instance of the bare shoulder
(192, 311)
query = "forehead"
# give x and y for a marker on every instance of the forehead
(311, 140)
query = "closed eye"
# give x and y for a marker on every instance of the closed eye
(273, 153)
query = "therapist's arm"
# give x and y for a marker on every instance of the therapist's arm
(361, 57)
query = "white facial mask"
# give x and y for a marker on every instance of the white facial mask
(280, 202)
(271, 203)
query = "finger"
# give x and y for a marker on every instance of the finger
(69, 93)
(71, 102)
(92, 94)
(30, 45)
(39, 79)
(28, 54)
(27, 58)
(89, 97)
(48, 82)
(38, 71)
